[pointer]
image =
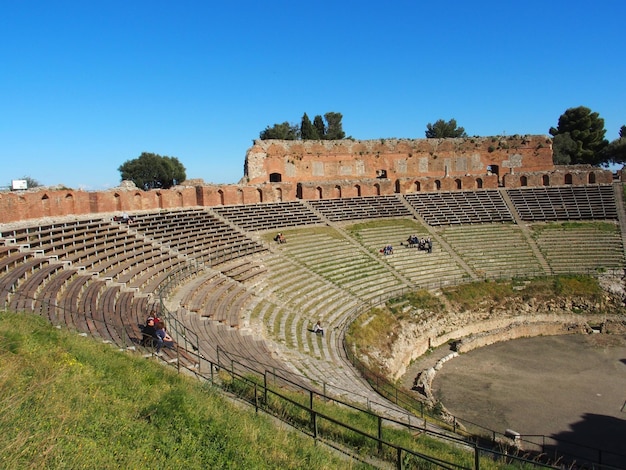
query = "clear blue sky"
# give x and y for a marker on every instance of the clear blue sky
(86, 85)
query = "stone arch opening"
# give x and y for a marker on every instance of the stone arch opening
(592, 178)
(299, 191)
(337, 192)
(69, 203)
(437, 185)
(220, 193)
(545, 180)
(259, 192)
(479, 183)
(418, 186)
(357, 187)
(523, 181)
(319, 192)
(45, 204)
(276, 177)
(568, 178)
(458, 183)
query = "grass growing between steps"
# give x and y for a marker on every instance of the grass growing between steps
(72, 402)
(409, 224)
(468, 296)
(606, 227)
(292, 234)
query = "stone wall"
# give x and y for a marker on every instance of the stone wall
(404, 160)
(277, 170)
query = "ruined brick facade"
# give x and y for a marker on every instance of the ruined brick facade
(395, 160)
(289, 170)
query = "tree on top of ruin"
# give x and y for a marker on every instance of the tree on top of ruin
(442, 129)
(284, 131)
(320, 127)
(582, 133)
(615, 152)
(152, 171)
(332, 129)
(307, 130)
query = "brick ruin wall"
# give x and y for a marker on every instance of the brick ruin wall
(394, 159)
(290, 170)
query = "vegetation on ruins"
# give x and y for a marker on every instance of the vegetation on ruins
(615, 152)
(153, 171)
(373, 333)
(330, 129)
(579, 138)
(444, 129)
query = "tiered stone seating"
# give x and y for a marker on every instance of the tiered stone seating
(565, 202)
(217, 297)
(297, 299)
(427, 270)
(581, 246)
(61, 270)
(269, 216)
(460, 207)
(367, 207)
(19, 275)
(244, 270)
(69, 301)
(197, 234)
(80, 273)
(494, 250)
(49, 295)
(220, 344)
(338, 260)
(293, 299)
(73, 242)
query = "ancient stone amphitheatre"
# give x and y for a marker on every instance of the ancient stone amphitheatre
(204, 256)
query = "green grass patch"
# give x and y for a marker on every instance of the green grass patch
(600, 226)
(468, 296)
(418, 300)
(384, 223)
(71, 402)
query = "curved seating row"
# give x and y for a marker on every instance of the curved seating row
(97, 276)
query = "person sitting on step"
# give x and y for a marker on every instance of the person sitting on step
(317, 329)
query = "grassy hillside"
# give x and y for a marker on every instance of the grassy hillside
(71, 402)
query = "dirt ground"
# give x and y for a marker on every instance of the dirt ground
(570, 387)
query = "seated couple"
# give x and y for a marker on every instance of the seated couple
(154, 335)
